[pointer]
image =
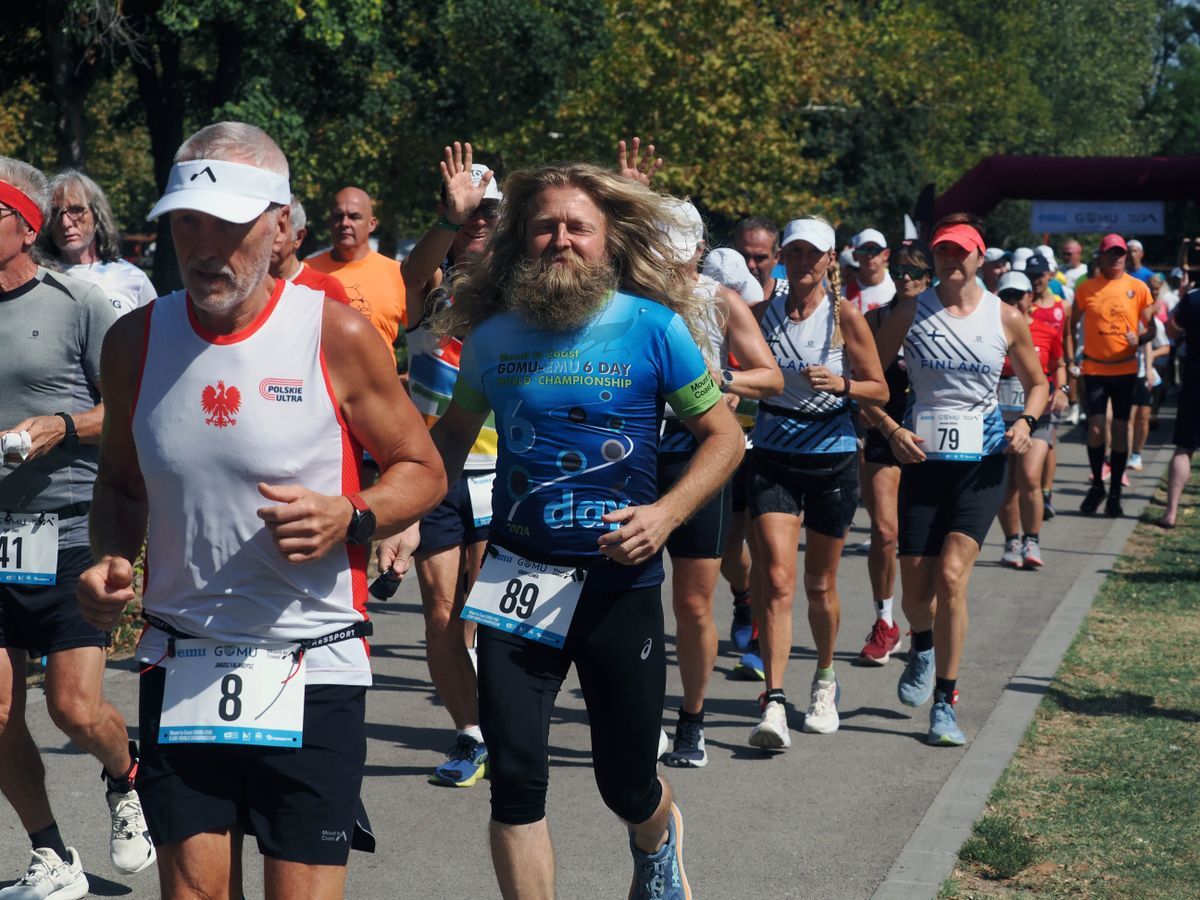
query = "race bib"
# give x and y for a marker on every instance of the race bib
(223, 693)
(28, 548)
(954, 435)
(479, 492)
(1011, 396)
(526, 598)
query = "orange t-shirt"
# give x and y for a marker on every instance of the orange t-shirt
(374, 286)
(1111, 309)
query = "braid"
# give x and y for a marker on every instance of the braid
(835, 297)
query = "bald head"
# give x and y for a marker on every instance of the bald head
(1071, 253)
(351, 222)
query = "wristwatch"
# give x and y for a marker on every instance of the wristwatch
(71, 439)
(362, 522)
(1066, 389)
(1030, 421)
(726, 380)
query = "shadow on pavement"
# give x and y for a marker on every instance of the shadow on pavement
(1122, 704)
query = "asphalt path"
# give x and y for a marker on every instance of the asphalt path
(826, 819)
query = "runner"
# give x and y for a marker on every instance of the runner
(574, 362)
(804, 462)
(1053, 311)
(233, 415)
(448, 545)
(286, 265)
(912, 270)
(955, 337)
(1148, 385)
(1022, 509)
(698, 546)
(874, 286)
(1121, 308)
(995, 264)
(85, 239)
(1184, 324)
(50, 414)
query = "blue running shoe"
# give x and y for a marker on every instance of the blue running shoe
(466, 763)
(659, 876)
(741, 631)
(689, 752)
(916, 681)
(943, 724)
(750, 666)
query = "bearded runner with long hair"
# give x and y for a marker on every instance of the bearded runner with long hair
(576, 331)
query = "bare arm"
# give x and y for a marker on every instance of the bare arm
(1024, 360)
(759, 376)
(868, 385)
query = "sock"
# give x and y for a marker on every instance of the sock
(922, 640)
(49, 837)
(685, 716)
(1012, 537)
(883, 611)
(1096, 461)
(943, 690)
(825, 674)
(473, 732)
(1031, 537)
(774, 695)
(1046, 495)
(124, 784)
(740, 598)
(1117, 460)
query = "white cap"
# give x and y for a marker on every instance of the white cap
(728, 267)
(1014, 281)
(493, 192)
(1047, 251)
(846, 258)
(1133, 242)
(994, 254)
(1019, 256)
(814, 231)
(231, 191)
(685, 230)
(869, 236)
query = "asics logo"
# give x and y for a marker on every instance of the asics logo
(646, 648)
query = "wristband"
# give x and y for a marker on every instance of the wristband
(446, 224)
(893, 434)
(1030, 421)
(846, 387)
(71, 439)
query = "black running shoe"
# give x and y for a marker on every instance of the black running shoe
(1095, 496)
(1113, 508)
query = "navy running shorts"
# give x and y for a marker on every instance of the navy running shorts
(45, 618)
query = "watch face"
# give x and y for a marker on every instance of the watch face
(362, 527)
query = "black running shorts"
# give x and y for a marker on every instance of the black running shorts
(1187, 413)
(301, 805)
(703, 535)
(452, 522)
(1119, 389)
(821, 486)
(45, 618)
(938, 497)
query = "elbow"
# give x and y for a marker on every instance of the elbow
(435, 481)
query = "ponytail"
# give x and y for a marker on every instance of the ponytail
(835, 297)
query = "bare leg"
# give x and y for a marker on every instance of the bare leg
(953, 572)
(285, 880)
(1029, 476)
(199, 867)
(775, 538)
(735, 561)
(22, 776)
(692, 587)
(440, 577)
(523, 858)
(1141, 427)
(1177, 477)
(821, 557)
(75, 700)
(881, 488)
(1009, 515)
(1049, 469)
(919, 599)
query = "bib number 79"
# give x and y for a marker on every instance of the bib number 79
(518, 598)
(947, 438)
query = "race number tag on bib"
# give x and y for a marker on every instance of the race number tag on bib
(28, 548)
(1011, 396)
(479, 490)
(221, 693)
(954, 435)
(530, 599)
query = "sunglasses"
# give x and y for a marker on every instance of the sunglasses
(1012, 297)
(489, 211)
(74, 213)
(913, 273)
(1114, 251)
(868, 252)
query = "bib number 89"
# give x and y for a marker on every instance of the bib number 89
(947, 438)
(230, 707)
(519, 598)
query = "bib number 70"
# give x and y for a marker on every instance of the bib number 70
(518, 598)
(947, 438)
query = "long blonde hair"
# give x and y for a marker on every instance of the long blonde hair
(637, 248)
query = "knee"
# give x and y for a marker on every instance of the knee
(952, 576)
(692, 610)
(71, 713)
(440, 621)
(518, 793)
(631, 804)
(885, 533)
(819, 589)
(781, 582)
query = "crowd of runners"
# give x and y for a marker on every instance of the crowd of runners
(589, 384)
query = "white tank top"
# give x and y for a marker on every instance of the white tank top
(822, 423)
(954, 362)
(214, 416)
(676, 438)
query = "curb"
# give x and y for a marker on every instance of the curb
(929, 856)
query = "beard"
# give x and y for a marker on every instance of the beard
(558, 296)
(232, 287)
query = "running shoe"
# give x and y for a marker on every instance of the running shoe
(1011, 556)
(1106, 473)
(881, 643)
(663, 743)
(943, 725)
(1112, 507)
(1073, 414)
(659, 875)
(689, 752)
(1031, 554)
(741, 631)
(1048, 510)
(771, 733)
(1135, 462)
(750, 666)
(50, 878)
(1095, 496)
(822, 715)
(129, 845)
(466, 763)
(916, 681)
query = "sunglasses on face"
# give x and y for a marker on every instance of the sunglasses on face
(913, 273)
(489, 211)
(1012, 298)
(868, 252)
(74, 213)
(1114, 252)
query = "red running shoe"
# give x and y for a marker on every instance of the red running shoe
(881, 643)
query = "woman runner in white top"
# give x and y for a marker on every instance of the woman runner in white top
(951, 447)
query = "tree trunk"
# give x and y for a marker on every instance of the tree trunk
(73, 71)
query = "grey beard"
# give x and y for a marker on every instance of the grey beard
(557, 297)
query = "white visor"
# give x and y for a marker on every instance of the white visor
(492, 192)
(813, 231)
(231, 191)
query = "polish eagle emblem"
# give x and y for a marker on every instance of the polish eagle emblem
(221, 404)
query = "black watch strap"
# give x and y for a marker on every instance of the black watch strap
(71, 439)
(1030, 421)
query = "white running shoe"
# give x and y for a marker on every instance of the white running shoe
(663, 743)
(129, 845)
(1135, 462)
(1073, 415)
(772, 732)
(1012, 554)
(1031, 554)
(50, 878)
(822, 715)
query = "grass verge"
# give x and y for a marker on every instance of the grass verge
(1101, 798)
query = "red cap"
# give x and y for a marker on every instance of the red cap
(1112, 240)
(963, 235)
(17, 199)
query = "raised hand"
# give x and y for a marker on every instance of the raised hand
(634, 168)
(462, 195)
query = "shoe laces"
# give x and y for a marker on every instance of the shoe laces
(687, 735)
(879, 633)
(127, 814)
(824, 694)
(41, 868)
(652, 877)
(464, 749)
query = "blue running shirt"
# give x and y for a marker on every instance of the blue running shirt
(577, 414)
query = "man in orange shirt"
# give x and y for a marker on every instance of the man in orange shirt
(372, 281)
(1116, 309)
(285, 265)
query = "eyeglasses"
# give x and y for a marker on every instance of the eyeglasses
(6, 211)
(1012, 298)
(74, 213)
(868, 252)
(913, 273)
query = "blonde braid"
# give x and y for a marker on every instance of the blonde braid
(835, 297)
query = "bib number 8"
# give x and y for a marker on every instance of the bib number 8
(947, 438)
(518, 598)
(230, 707)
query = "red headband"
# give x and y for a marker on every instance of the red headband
(963, 235)
(19, 200)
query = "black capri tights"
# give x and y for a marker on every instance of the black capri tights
(616, 644)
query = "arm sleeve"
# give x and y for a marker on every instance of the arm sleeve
(683, 378)
(96, 315)
(468, 388)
